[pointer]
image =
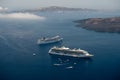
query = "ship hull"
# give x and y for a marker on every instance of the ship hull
(72, 56)
(50, 42)
(68, 57)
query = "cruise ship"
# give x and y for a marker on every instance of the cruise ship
(64, 51)
(49, 40)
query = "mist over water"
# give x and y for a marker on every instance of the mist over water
(18, 43)
(28, 16)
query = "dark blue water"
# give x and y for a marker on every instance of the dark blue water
(18, 44)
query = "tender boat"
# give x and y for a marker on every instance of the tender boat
(64, 51)
(49, 40)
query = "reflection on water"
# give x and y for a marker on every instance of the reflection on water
(68, 62)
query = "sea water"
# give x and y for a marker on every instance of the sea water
(22, 59)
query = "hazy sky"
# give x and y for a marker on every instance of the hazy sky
(94, 4)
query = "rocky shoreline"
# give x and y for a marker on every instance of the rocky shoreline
(111, 25)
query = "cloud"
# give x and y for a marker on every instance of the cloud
(21, 16)
(3, 9)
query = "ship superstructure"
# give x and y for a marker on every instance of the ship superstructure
(49, 40)
(64, 51)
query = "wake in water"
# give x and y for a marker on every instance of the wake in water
(12, 44)
(3, 40)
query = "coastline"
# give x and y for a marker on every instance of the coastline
(111, 25)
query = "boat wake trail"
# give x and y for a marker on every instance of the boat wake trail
(3, 40)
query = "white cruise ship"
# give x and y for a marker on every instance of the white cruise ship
(64, 51)
(49, 40)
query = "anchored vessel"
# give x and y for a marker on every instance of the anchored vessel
(64, 51)
(49, 40)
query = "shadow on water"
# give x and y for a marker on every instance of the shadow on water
(69, 62)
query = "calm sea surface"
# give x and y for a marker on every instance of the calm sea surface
(18, 44)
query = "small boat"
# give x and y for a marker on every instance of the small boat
(64, 51)
(49, 40)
